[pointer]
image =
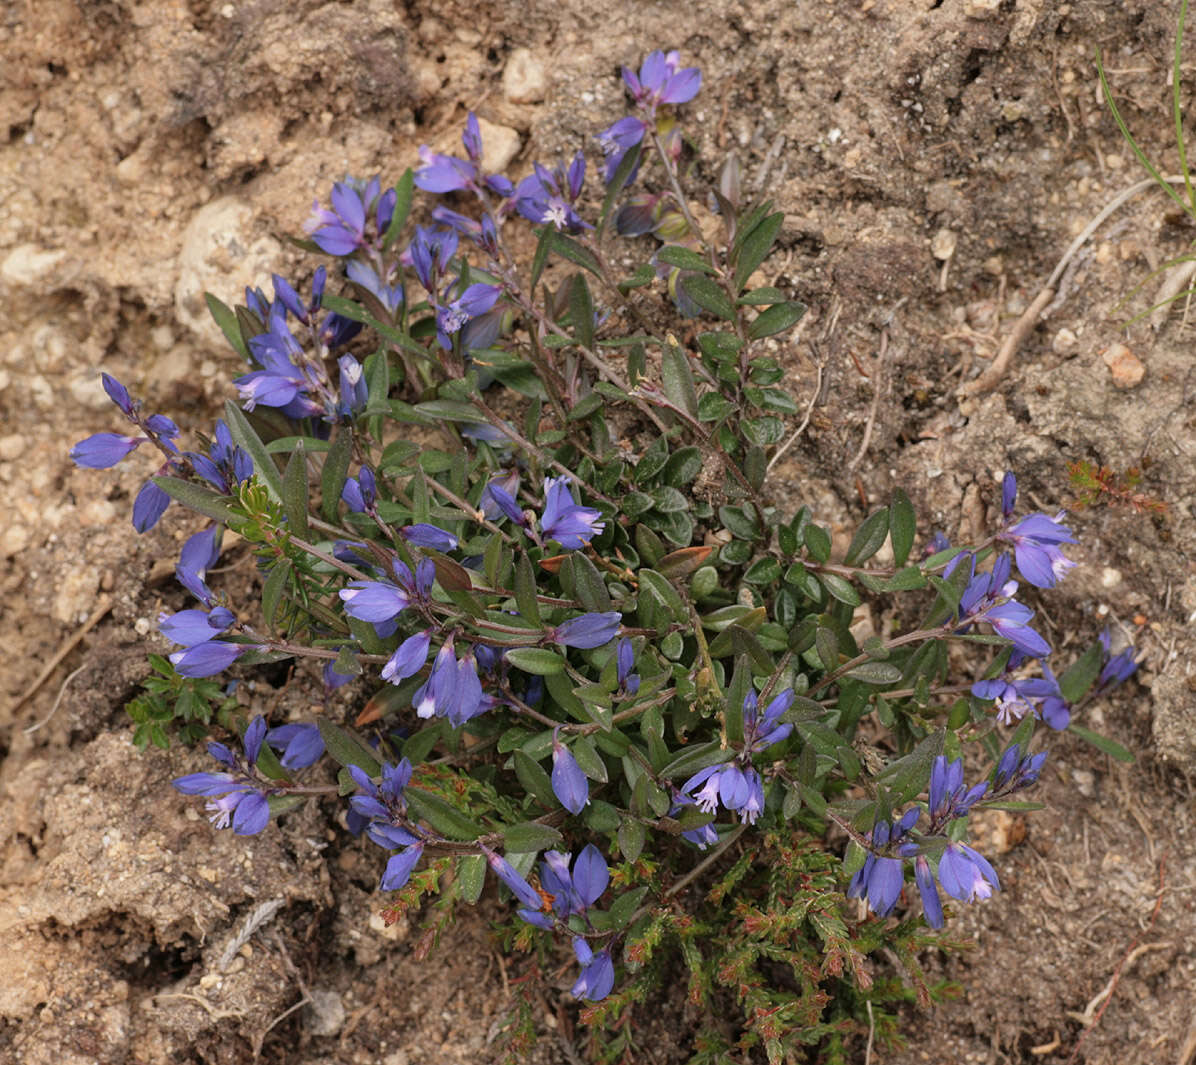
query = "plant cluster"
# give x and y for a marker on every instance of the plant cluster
(504, 499)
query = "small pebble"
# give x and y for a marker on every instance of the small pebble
(1126, 368)
(524, 79)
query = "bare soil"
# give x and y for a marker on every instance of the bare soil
(151, 150)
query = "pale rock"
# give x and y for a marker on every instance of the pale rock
(327, 1013)
(524, 79)
(1126, 368)
(87, 389)
(223, 255)
(77, 588)
(981, 8)
(12, 447)
(13, 541)
(1064, 342)
(500, 145)
(28, 266)
(49, 345)
(942, 246)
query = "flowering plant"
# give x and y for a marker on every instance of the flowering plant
(504, 503)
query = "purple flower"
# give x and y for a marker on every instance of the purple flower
(390, 296)
(510, 876)
(245, 803)
(569, 783)
(989, 597)
(354, 391)
(118, 394)
(880, 879)
(948, 798)
(597, 973)
(588, 631)
(408, 659)
(932, 906)
(1117, 667)
(629, 683)
(101, 451)
(423, 535)
(384, 802)
(431, 251)
(662, 80)
(190, 627)
(149, 506)
(564, 520)
(207, 659)
(498, 499)
(453, 315)
(762, 730)
(374, 601)
(400, 867)
(965, 874)
(301, 745)
(573, 890)
(341, 231)
(1015, 771)
(702, 837)
(1035, 540)
(544, 197)
(739, 790)
(616, 141)
(360, 492)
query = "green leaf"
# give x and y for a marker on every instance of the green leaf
(198, 498)
(662, 588)
(645, 275)
(868, 537)
(346, 749)
(404, 192)
(568, 248)
(902, 527)
(294, 491)
(581, 311)
(445, 818)
(818, 542)
(530, 838)
(909, 775)
(540, 258)
(452, 411)
(683, 259)
(761, 297)
(224, 317)
(625, 906)
(708, 295)
(692, 759)
(720, 345)
(263, 465)
(678, 379)
(713, 408)
(763, 571)
(272, 591)
(683, 467)
(335, 473)
(536, 660)
(876, 673)
(1079, 676)
(618, 180)
(631, 836)
(1102, 743)
(754, 246)
(588, 586)
(776, 319)
(826, 644)
(471, 875)
(840, 588)
(525, 590)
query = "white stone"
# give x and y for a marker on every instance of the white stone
(28, 265)
(223, 255)
(500, 145)
(524, 79)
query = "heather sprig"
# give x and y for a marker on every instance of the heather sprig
(495, 500)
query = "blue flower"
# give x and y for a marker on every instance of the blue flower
(740, 790)
(545, 197)
(564, 520)
(360, 492)
(510, 876)
(341, 231)
(207, 659)
(702, 837)
(662, 80)
(301, 745)
(1035, 540)
(966, 874)
(1117, 667)
(100, 451)
(880, 878)
(423, 535)
(498, 499)
(948, 798)
(932, 905)
(190, 627)
(989, 597)
(588, 630)
(244, 803)
(629, 683)
(453, 688)
(573, 890)
(1016, 771)
(569, 783)
(408, 659)
(149, 506)
(597, 973)
(453, 314)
